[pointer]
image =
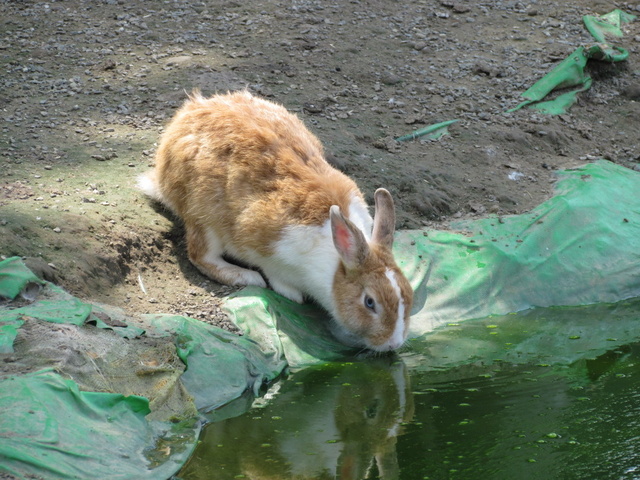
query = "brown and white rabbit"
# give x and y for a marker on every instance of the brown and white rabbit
(251, 182)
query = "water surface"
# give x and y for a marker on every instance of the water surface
(549, 393)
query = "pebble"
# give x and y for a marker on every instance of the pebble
(632, 92)
(389, 78)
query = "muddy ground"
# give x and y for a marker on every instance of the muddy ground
(87, 86)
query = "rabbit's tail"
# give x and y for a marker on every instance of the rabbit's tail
(148, 184)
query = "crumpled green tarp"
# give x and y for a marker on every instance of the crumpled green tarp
(14, 278)
(283, 328)
(220, 365)
(571, 71)
(108, 395)
(54, 304)
(51, 429)
(608, 25)
(580, 247)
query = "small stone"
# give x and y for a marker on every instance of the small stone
(458, 8)
(477, 207)
(179, 60)
(389, 78)
(313, 107)
(632, 92)
(389, 144)
(57, 230)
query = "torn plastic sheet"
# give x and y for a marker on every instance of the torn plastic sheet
(220, 365)
(99, 360)
(608, 25)
(432, 132)
(14, 278)
(580, 247)
(120, 385)
(51, 429)
(296, 332)
(571, 71)
(53, 305)
(568, 73)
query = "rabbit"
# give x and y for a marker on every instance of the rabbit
(250, 182)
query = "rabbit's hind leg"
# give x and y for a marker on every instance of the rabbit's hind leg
(205, 252)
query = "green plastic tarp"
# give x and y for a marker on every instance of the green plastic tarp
(571, 71)
(87, 392)
(580, 247)
(220, 365)
(51, 429)
(14, 278)
(606, 26)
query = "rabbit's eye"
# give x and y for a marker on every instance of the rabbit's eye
(370, 303)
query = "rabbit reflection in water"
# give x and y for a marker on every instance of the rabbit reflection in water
(340, 421)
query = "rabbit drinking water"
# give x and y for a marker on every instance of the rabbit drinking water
(250, 182)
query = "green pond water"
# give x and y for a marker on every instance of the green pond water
(544, 394)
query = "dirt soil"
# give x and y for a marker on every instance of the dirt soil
(87, 86)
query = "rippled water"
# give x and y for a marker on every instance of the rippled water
(548, 394)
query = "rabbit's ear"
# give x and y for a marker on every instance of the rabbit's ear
(384, 222)
(348, 239)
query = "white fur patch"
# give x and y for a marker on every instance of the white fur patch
(286, 290)
(397, 339)
(214, 246)
(359, 215)
(147, 184)
(305, 256)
